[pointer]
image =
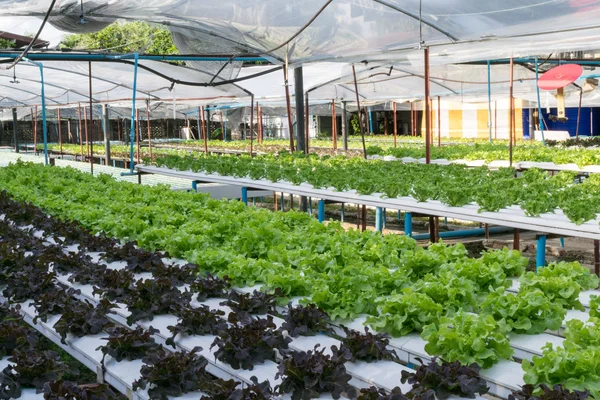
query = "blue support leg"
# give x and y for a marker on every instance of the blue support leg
(378, 219)
(384, 216)
(343, 212)
(195, 186)
(321, 214)
(245, 195)
(540, 259)
(399, 216)
(408, 229)
(562, 242)
(254, 201)
(282, 200)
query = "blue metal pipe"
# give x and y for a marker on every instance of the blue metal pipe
(44, 124)
(539, 101)
(370, 121)
(132, 131)
(540, 257)
(199, 129)
(378, 219)
(195, 186)
(105, 57)
(464, 233)
(408, 224)
(321, 214)
(245, 195)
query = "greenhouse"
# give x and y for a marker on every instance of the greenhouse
(332, 199)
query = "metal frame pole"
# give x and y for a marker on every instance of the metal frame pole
(427, 111)
(395, 126)
(539, 101)
(306, 125)
(251, 126)
(333, 126)
(345, 125)
(91, 119)
(59, 132)
(79, 129)
(205, 133)
(362, 130)
(439, 118)
(289, 107)
(15, 129)
(133, 109)
(87, 143)
(34, 120)
(137, 136)
(511, 115)
(149, 128)
(301, 112)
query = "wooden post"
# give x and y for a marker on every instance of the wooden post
(364, 218)
(79, 130)
(306, 125)
(87, 143)
(289, 108)
(34, 119)
(119, 129)
(412, 119)
(333, 126)
(148, 118)
(252, 134)
(137, 136)
(517, 239)
(260, 124)
(59, 132)
(439, 114)
(205, 129)
(395, 126)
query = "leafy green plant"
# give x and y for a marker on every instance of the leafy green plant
(440, 380)
(33, 368)
(306, 321)
(81, 318)
(367, 346)
(230, 390)
(308, 374)
(257, 302)
(152, 297)
(172, 374)
(66, 390)
(561, 290)
(53, 302)
(530, 312)
(209, 286)
(544, 392)
(15, 336)
(402, 313)
(511, 261)
(467, 338)
(126, 344)
(243, 345)
(197, 321)
(375, 393)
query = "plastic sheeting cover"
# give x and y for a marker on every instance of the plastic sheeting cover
(350, 29)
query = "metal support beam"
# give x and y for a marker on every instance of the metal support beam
(426, 110)
(15, 130)
(540, 258)
(106, 132)
(321, 213)
(379, 219)
(344, 125)
(245, 195)
(408, 228)
(300, 120)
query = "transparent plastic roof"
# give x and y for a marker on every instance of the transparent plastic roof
(352, 30)
(112, 82)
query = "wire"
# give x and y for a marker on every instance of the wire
(301, 29)
(34, 39)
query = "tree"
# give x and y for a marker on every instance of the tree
(120, 37)
(6, 44)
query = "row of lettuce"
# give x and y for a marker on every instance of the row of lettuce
(37, 274)
(535, 191)
(458, 303)
(581, 153)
